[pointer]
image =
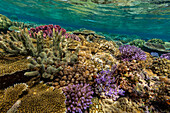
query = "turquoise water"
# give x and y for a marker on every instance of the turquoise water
(145, 19)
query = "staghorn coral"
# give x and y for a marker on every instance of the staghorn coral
(167, 56)
(21, 43)
(129, 53)
(161, 67)
(11, 95)
(10, 65)
(46, 101)
(156, 41)
(138, 43)
(78, 97)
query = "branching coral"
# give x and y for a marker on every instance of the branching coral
(129, 53)
(167, 56)
(105, 83)
(46, 63)
(21, 43)
(47, 30)
(78, 97)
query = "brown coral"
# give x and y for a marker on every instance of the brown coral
(47, 101)
(11, 95)
(10, 65)
(161, 67)
(122, 105)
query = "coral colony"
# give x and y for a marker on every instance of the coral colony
(129, 53)
(55, 71)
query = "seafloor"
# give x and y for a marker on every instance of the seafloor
(46, 69)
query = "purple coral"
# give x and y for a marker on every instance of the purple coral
(167, 56)
(72, 36)
(78, 97)
(129, 53)
(105, 83)
(47, 30)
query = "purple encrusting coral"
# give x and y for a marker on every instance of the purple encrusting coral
(167, 56)
(47, 30)
(105, 83)
(78, 97)
(129, 53)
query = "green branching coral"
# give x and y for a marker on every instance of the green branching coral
(21, 43)
(47, 101)
(11, 95)
(157, 41)
(138, 43)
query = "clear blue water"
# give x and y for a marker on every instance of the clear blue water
(144, 19)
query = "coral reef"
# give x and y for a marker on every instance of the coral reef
(129, 53)
(4, 23)
(156, 41)
(44, 65)
(78, 97)
(47, 30)
(106, 86)
(122, 105)
(10, 65)
(95, 107)
(38, 98)
(167, 56)
(138, 43)
(21, 43)
(88, 34)
(160, 48)
(161, 67)
(48, 101)
(11, 95)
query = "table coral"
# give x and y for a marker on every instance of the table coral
(45, 101)
(157, 41)
(11, 95)
(10, 65)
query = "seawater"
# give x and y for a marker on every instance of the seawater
(145, 19)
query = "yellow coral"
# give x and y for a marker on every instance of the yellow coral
(10, 65)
